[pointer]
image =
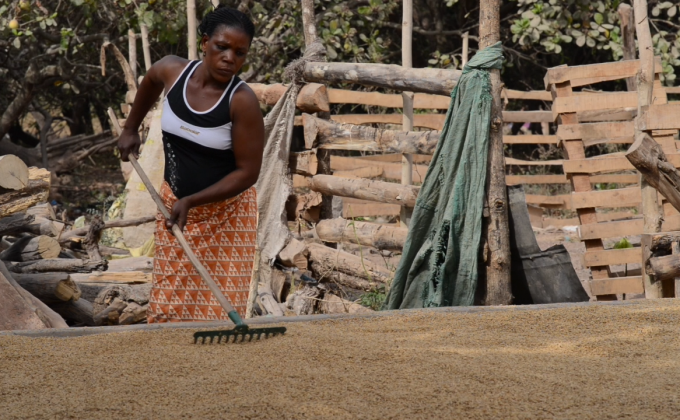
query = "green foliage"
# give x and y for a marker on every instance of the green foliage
(623, 244)
(373, 299)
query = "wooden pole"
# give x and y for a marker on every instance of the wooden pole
(651, 209)
(308, 21)
(407, 124)
(145, 47)
(628, 32)
(132, 52)
(192, 42)
(466, 43)
(496, 231)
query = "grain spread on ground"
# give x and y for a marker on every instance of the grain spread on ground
(595, 362)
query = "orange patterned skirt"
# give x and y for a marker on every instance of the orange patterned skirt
(223, 237)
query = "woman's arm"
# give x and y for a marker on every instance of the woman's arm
(247, 137)
(166, 69)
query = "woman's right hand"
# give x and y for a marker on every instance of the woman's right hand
(129, 142)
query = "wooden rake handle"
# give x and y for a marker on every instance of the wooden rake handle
(233, 315)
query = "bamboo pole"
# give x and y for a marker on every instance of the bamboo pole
(145, 46)
(191, 28)
(132, 52)
(651, 209)
(407, 124)
(496, 231)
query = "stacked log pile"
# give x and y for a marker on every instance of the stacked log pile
(53, 276)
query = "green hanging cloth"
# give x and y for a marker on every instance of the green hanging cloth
(439, 265)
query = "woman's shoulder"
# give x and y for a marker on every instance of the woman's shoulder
(170, 68)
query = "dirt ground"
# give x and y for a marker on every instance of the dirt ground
(594, 362)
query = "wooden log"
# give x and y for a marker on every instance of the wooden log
(69, 265)
(78, 313)
(267, 302)
(329, 259)
(648, 158)
(322, 132)
(92, 238)
(192, 43)
(311, 98)
(15, 312)
(111, 302)
(664, 268)
(111, 314)
(305, 301)
(362, 172)
(495, 227)
(375, 235)
(364, 189)
(424, 80)
(49, 318)
(37, 191)
(45, 227)
(323, 274)
(333, 304)
(628, 35)
(303, 163)
(31, 249)
(15, 223)
(13, 173)
(294, 254)
(304, 206)
(133, 313)
(49, 287)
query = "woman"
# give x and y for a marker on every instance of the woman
(213, 138)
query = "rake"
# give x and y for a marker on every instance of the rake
(241, 330)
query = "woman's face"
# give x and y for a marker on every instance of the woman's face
(225, 52)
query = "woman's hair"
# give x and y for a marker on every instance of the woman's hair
(223, 15)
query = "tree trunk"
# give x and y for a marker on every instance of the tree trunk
(651, 209)
(496, 231)
(16, 223)
(329, 259)
(320, 132)
(664, 268)
(628, 32)
(362, 233)
(308, 22)
(365, 189)
(49, 287)
(388, 76)
(37, 191)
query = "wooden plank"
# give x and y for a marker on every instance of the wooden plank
(350, 210)
(420, 100)
(596, 131)
(612, 257)
(530, 139)
(122, 277)
(513, 161)
(595, 73)
(661, 117)
(431, 121)
(550, 201)
(365, 172)
(562, 179)
(614, 163)
(593, 102)
(396, 157)
(622, 197)
(617, 286)
(623, 228)
(528, 116)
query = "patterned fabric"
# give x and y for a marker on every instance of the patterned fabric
(223, 236)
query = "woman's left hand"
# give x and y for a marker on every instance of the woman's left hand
(179, 213)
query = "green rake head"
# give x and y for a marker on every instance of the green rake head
(240, 331)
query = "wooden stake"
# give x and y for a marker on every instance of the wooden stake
(496, 231)
(132, 52)
(191, 28)
(628, 31)
(466, 42)
(651, 209)
(407, 124)
(308, 21)
(145, 47)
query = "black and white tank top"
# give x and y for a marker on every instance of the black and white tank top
(197, 145)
